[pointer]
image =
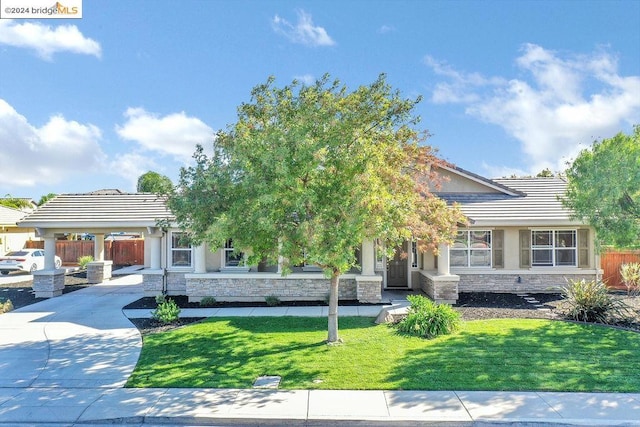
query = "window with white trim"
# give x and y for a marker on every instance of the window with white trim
(414, 254)
(232, 258)
(471, 248)
(181, 252)
(553, 248)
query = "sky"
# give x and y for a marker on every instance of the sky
(507, 87)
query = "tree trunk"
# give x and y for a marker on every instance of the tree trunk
(333, 309)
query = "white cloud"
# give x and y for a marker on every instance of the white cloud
(556, 107)
(47, 41)
(174, 134)
(307, 79)
(30, 155)
(131, 165)
(385, 29)
(303, 32)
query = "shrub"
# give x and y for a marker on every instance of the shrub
(167, 312)
(591, 302)
(6, 306)
(208, 302)
(427, 319)
(631, 277)
(84, 260)
(272, 300)
(160, 298)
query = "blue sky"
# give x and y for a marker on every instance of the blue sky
(508, 86)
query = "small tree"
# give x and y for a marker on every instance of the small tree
(153, 182)
(44, 199)
(604, 188)
(308, 172)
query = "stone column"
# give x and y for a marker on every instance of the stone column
(48, 283)
(199, 259)
(443, 260)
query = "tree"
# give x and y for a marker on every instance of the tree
(308, 172)
(604, 188)
(545, 173)
(153, 182)
(44, 199)
(15, 202)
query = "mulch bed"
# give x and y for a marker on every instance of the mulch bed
(472, 306)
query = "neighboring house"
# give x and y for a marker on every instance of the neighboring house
(13, 238)
(519, 238)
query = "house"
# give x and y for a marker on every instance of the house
(519, 238)
(13, 238)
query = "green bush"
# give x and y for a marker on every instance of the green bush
(591, 302)
(84, 260)
(6, 306)
(208, 302)
(167, 312)
(272, 300)
(427, 319)
(160, 298)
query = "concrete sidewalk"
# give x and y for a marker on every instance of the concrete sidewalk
(64, 361)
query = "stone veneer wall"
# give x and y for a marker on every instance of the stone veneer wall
(152, 283)
(257, 288)
(47, 283)
(540, 283)
(99, 271)
(369, 289)
(439, 289)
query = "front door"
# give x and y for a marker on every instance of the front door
(397, 269)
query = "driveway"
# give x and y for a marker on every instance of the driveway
(78, 340)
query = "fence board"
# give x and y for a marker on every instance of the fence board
(611, 262)
(121, 252)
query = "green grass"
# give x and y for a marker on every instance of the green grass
(505, 354)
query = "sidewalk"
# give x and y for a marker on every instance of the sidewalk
(64, 361)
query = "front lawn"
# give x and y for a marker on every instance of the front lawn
(499, 354)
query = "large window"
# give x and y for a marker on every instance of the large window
(231, 257)
(553, 248)
(180, 251)
(471, 248)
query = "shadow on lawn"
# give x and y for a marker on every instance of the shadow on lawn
(533, 356)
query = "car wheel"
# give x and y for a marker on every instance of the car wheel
(4, 273)
(33, 268)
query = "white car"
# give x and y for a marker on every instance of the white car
(28, 260)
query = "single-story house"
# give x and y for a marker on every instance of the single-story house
(519, 238)
(13, 238)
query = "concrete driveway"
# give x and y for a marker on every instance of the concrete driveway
(80, 339)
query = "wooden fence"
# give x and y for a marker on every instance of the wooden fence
(121, 252)
(611, 261)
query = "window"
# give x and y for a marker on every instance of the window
(414, 254)
(551, 248)
(180, 251)
(471, 248)
(232, 258)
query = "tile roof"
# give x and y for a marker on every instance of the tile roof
(538, 204)
(104, 208)
(9, 216)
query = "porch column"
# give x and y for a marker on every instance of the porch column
(368, 258)
(199, 260)
(98, 247)
(49, 252)
(443, 260)
(155, 251)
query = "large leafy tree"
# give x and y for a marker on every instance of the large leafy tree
(604, 188)
(15, 202)
(308, 172)
(153, 182)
